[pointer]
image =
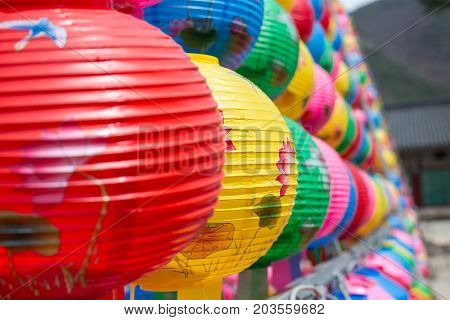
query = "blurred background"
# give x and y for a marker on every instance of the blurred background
(407, 44)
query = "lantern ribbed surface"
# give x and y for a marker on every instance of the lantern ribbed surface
(333, 131)
(339, 191)
(380, 211)
(347, 218)
(320, 48)
(225, 29)
(303, 15)
(258, 190)
(293, 100)
(95, 118)
(273, 61)
(12, 5)
(350, 133)
(311, 203)
(350, 152)
(370, 161)
(364, 149)
(366, 200)
(320, 105)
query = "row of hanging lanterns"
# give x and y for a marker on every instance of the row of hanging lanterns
(125, 160)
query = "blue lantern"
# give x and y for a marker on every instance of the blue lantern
(337, 41)
(320, 48)
(318, 7)
(394, 289)
(227, 30)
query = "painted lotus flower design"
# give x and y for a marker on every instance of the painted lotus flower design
(240, 38)
(49, 163)
(22, 232)
(213, 238)
(279, 73)
(195, 33)
(176, 26)
(286, 160)
(269, 211)
(47, 167)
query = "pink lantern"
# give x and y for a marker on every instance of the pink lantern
(320, 105)
(340, 189)
(389, 268)
(404, 237)
(358, 285)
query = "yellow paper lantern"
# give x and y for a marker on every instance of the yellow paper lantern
(286, 4)
(390, 158)
(342, 82)
(333, 131)
(258, 191)
(382, 137)
(350, 42)
(380, 212)
(293, 100)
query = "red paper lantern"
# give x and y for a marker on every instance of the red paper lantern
(303, 15)
(366, 200)
(111, 149)
(370, 162)
(326, 17)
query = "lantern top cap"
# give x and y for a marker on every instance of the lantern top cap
(46, 4)
(203, 58)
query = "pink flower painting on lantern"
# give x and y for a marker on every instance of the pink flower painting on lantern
(46, 168)
(240, 38)
(286, 160)
(176, 26)
(50, 162)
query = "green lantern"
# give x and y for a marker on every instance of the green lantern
(311, 203)
(273, 61)
(350, 134)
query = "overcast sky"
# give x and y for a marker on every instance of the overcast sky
(355, 4)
